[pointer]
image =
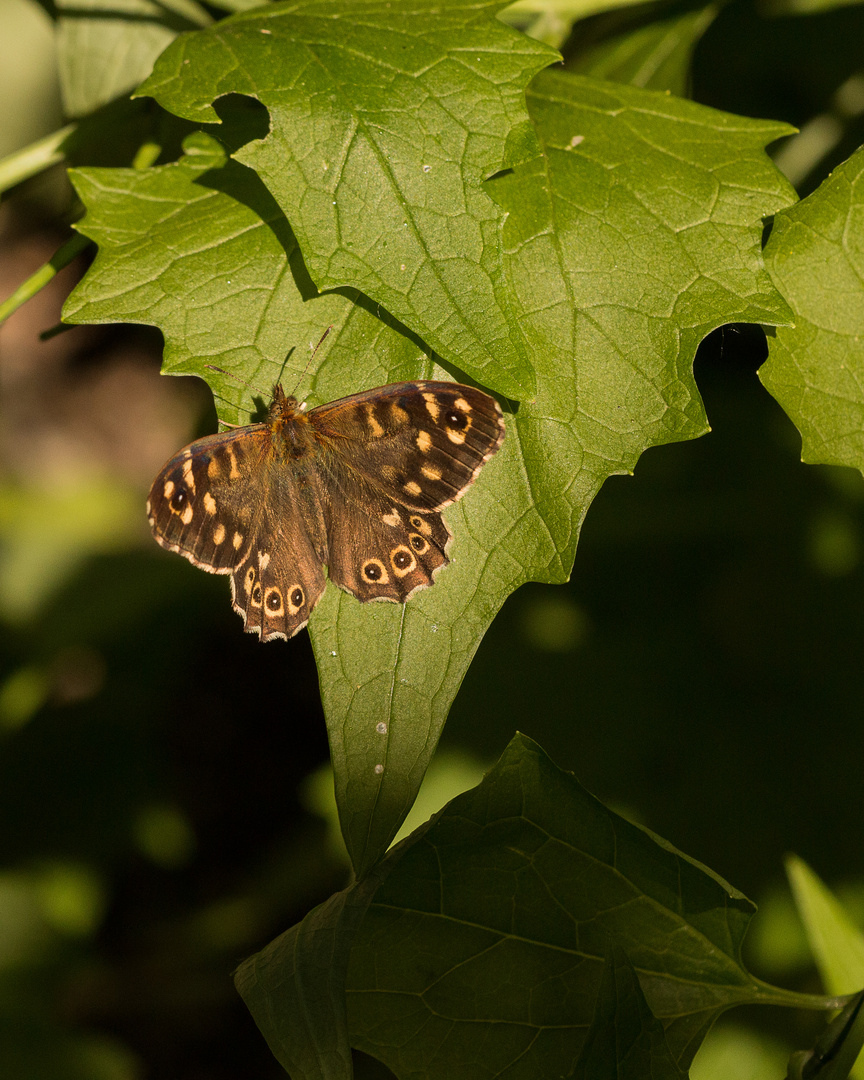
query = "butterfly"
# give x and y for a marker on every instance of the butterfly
(357, 485)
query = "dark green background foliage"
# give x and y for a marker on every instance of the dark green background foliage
(568, 238)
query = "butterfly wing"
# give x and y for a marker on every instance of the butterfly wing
(390, 460)
(357, 485)
(200, 504)
(280, 577)
(227, 505)
(379, 549)
(420, 443)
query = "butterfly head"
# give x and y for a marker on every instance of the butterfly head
(283, 407)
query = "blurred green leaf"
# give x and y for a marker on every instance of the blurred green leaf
(651, 52)
(22, 694)
(730, 1050)
(164, 834)
(46, 1052)
(105, 48)
(836, 942)
(777, 8)
(815, 255)
(47, 533)
(526, 13)
(71, 896)
(777, 944)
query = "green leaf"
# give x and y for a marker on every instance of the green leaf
(564, 11)
(636, 234)
(775, 8)
(47, 534)
(625, 1041)
(386, 117)
(529, 874)
(836, 942)
(201, 249)
(651, 52)
(815, 255)
(106, 47)
(837, 945)
(836, 1048)
(295, 988)
(739, 1050)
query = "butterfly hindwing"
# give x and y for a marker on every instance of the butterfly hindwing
(380, 550)
(280, 579)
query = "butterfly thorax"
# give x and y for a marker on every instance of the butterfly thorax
(291, 433)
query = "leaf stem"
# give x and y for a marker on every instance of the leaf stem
(34, 158)
(38, 280)
(147, 154)
(774, 995)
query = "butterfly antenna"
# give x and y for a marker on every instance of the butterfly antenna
(239, 381)
(302, 374)
(258, 390)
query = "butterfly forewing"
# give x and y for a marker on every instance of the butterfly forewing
(199, 505)
(421, 443)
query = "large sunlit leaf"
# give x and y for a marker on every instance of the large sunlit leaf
(815, 255)
(199, 249)
(386, 117)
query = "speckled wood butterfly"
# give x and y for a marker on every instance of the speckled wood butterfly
(357, 485)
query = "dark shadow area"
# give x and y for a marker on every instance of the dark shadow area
(706, 680)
